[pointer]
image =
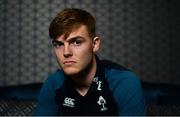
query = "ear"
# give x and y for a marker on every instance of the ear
(96, 44)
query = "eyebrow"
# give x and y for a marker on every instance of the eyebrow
(55, 41)
(74, 38)
(68, 40)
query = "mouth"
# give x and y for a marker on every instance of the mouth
(69, 63)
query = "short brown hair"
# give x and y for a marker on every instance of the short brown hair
(68, 18)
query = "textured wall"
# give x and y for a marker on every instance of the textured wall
(140, 34)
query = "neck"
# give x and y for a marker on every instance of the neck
(84, 79)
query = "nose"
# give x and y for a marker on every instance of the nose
(67, 51)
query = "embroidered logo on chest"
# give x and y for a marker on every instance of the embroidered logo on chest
(102, 103)
(68, 102)
(99, 85)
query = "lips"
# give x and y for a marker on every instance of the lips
(68, 62)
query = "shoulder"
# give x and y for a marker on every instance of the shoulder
(114, 71)
(53, 82)
(46, 99)
(126, 88)
(119, 77)
(55, 79)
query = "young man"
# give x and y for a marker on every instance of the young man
(86, 85)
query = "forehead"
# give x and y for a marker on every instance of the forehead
(77, 31)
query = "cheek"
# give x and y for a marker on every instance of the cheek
(88, 47)
(85, 51)
(85, 54)
(58, 55)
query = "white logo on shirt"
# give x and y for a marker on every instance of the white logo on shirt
(99, 85)
(68, 102)
(102, 102)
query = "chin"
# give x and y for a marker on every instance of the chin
(71, 71)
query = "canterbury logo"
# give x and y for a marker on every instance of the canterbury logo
(68, 102)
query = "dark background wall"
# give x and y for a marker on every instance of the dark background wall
(140, 34)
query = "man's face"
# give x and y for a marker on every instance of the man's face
(75, 52)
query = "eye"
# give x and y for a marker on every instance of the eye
(77, 42)
(57, 44)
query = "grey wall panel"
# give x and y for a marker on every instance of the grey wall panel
(142, 35)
